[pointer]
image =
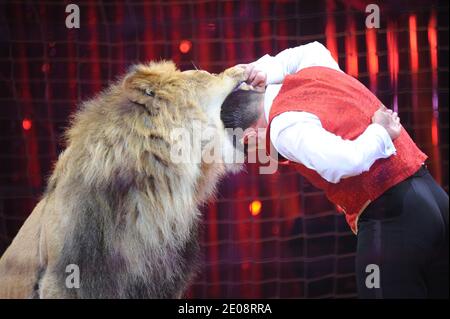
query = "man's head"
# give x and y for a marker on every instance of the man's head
(244, 108)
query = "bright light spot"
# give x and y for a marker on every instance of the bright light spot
(45, 67)
(255, 207)
(185, 46)
(26, 124)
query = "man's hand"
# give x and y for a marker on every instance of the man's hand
(237, 72)
(255, 77)
(389, 120)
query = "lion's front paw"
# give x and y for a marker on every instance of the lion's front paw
(237, 73)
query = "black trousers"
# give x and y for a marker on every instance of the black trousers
(403, 242)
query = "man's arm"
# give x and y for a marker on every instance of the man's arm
(300, 137)
(293, 60)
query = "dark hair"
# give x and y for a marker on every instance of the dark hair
(241, 108)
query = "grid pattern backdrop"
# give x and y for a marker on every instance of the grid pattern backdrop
(265, 235)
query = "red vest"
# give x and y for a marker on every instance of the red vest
(345, 108)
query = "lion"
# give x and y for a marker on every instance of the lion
(116, 207)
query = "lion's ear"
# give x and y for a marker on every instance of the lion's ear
(146, 77)
(136, 82)
(160, 67)
(153, 70)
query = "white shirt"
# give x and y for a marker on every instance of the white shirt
(300, 137)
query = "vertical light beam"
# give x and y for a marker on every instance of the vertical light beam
(351, 49)
(432, 42)
(330, 30)
(372, 57)
(391, 38)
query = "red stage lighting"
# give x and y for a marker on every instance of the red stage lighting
(255, 207)
(245, 266)
(185, 46)
(26, 124)
(45, 67)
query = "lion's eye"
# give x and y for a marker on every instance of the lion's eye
(149, 92)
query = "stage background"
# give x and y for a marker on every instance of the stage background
(296, 244)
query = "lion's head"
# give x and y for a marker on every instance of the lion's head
(162, 91)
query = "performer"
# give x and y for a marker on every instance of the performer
(340, 137)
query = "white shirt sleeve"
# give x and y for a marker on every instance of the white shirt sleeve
(300, 137)
(293, 60)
